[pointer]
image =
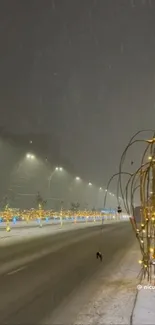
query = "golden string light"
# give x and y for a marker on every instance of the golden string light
(141, 182)
(41, 214)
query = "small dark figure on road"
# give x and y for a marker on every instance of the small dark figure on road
(99, 256)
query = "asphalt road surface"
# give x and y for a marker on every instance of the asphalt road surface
(44, 288)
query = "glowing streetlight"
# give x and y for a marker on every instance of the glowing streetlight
(77, 178)
(90, 184)
(59, 168)
(30, 156)
(150, 158)
(100, 188)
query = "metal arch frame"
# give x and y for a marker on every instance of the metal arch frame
(141, 181)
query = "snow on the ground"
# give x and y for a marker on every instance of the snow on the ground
(17, 234)
(144, 311)
(28, 233)
(35, 223)
(21, 224)
(27, 259)
(114, 302)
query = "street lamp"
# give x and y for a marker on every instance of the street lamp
(59, 168)
(30, 156)
(100, 188)
(52, 175)
(77, 178)
(90, 184)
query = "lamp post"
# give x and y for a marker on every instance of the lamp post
(30, 156)
(57, 169)
(61, 214)
(40, 216)
(7, 213)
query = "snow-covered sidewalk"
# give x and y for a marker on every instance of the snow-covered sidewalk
(114, 302)
(19, 234)
(144, 311)
(58, 221)
(35, 223)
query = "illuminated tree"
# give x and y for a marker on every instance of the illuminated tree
(41, 203)
(75, 206)
(141, 182)
(4, 203)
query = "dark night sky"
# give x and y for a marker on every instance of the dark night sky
(81, 69)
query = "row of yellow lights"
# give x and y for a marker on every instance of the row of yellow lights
(32, 214)
(12, 212)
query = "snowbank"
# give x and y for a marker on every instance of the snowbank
(114, 302)
(144, 311)
(24, 234)
(58, 221)
(18, 234)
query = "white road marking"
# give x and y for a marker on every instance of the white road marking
(17, 270)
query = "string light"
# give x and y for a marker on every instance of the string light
(142, 181)
(40, 212)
